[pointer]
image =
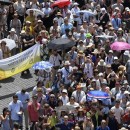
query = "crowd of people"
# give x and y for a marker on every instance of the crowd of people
(59, 99)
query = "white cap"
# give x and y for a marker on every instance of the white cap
(12, 30)
(115, 58)
(126, 92)
(126, 53)
(64, 91)
(100, 74)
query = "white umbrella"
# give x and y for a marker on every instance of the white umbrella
(86, 12)
(9, 42)
(104, 36)
(36, 12)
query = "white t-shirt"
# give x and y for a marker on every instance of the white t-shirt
(14, 108)
(118, 113)
(64, 100)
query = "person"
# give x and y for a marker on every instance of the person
(103, 126)
(65, 125)
(28, 41)
(15, 110)
(87, 124)
(33, 112)
(5, 121)
(5, 50)
(24, 97)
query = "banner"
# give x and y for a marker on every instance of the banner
(20, 62)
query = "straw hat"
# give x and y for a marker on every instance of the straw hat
(90, 45)
(121, 68)
(95, 51)
(101, 63)
(81, 53)
(59, 14)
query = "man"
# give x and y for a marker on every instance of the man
(78, 94)
(128, 71)
(23, 96)
(33, 111)
(103, 126)
(15, 107)
(66, 25)
(28, 41)
(118, 111)
(66, 71)
(65, 125)
(109, 59)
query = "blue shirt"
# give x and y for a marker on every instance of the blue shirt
(23, 98)
(116, 23)
(100, 128)
(62, 126)
(64, 27)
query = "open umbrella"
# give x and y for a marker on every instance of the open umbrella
(96, 94)
(61, 3)
(86, 12)
(9, 42)
(118, 46)
(43, 65)
(61, 43)
(5, 2)
(105, 36)
(36, 12)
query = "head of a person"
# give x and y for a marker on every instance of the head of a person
(12, 31)
(52, 97)
(123, 89)
(78, 88)
(103, 123)
(72, 99)
(15, 98)
(34, 98)
(66, 119)
(15, 16)
(117, 85)
(16, 126)
(117, 103)
(60, 102)
(5, 111)
(3, 43)
(23, 91)
(39, 91)
(28, 23)
(39, 84)
(64, 92)
(31, 13)
(66, 64)
(65, 20)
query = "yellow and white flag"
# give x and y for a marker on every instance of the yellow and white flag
(20, 62)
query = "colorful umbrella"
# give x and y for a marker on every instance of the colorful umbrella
(118, 46)
(9, 42)
(61, 3)
(96, 94)
(36, 12)
(43, 65)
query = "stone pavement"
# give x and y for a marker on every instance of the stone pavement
(13, 84)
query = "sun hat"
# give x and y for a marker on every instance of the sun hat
(110, 51)
(64, 91)
(88, 35)
(126, 53)
(125, 82)
(90, 45)
(12, 30)
(67, 63)
(95, 52)
(80, 53)
(101, 63)
(75, 3)
(115, 58)
(126, 92)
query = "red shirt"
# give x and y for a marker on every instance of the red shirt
(33, 114)
(126, 118)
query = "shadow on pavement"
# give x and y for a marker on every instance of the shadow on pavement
(26, 76)
(8, 80)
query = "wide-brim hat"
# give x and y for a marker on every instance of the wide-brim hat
(101, 63)
(88, 35)
(126, 53)
(13, 30)
(75, 3)
(90, 45)
(59, 14)
(95, 52)
(80, 53)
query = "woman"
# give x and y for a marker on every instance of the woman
(14, 37)
(16, 24)
(87, 124)
(10, 15)
(5, 119)
(5, 50)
